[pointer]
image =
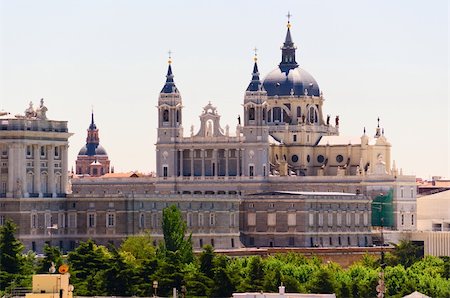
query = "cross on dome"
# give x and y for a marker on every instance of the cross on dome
(289, 19)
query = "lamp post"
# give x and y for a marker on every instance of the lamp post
(381, 288)
(155, 287)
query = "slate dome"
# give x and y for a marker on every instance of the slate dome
(91, 149)
(283, 80)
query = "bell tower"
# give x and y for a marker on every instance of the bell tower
(255, 129)
(170, 130)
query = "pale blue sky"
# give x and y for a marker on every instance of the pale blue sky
(370, 58)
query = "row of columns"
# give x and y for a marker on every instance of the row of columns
(215, 158)
(17, 169)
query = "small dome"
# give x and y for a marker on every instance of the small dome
(283, 80)
(92, 149)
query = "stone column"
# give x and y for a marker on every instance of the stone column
(181, 162)
(37, 169)
(11, 184)
(203, 162)
(64, 167)
(22, 167)
(192, 162)
(227, 153)
(51, 170)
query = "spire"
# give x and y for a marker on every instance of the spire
(169, 86)
(378, 130)
(92, 126)
(288, 48)
(255, 84)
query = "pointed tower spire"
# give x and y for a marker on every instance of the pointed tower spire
(255, 84)
(169, 86)
(92, 126)
(288, 48)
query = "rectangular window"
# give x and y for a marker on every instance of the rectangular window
(91, 220)
(401, 192)
(189, 219)
(48, 220)
(165, 171)
(110, 220)
(42, 151)
(232, 220)
(251, 219)
(251, 171)
(33, 221)
(339, 219)
(320, 219)
(141, 220)
(366, 219)
(412, 219)
(356, 219)
(295, 138)
(412, 192)
(330, 219)
(62, 220)
(292, 219)
(271, 219)
(212, 219)
(56, 151)
(72, 220)
(154, 220)
(29, 151)
(311, 219)
(348, 219)
(201, 221)
(403, 219)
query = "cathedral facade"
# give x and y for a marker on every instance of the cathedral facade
(284, 176)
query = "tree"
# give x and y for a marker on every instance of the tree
(119, 277)
(139, 247)
(323, 282)
(223, 286)
(87, 263)
(52, 255)
(174, 230)
(206, 260)
(10, 254)
(407, 253)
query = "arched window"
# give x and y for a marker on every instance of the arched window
(264, 114)
(312, 115)
(299, 112)
(251, 114)
(166, 116)
(178, 116)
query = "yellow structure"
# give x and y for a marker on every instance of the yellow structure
(51, 286)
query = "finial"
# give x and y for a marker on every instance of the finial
(255, 58)
(289, 19)
(378, 122)
(170, 57)
(382, 131)
(364, 130)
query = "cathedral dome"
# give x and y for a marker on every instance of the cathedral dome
(284, 80)
(92, 149)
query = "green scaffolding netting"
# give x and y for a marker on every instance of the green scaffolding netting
(383, 210)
